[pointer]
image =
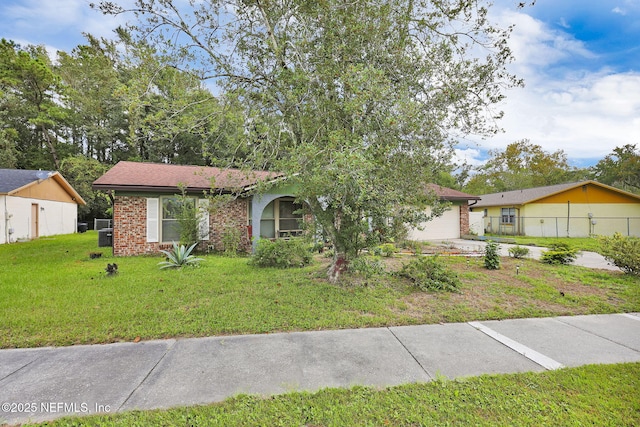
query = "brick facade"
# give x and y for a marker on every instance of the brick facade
(233, 214)
(464, 218)
(130, 226)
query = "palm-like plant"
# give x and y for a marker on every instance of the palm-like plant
(179, 256)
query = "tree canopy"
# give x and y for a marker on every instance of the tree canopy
(620, 168)
(522, 165)
(357, 102)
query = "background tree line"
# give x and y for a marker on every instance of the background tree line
(108, 101)
(103, 102)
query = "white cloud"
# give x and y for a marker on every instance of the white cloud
(470, 156)
(619, 11)
(535, 45)
(584, 113)
(56, 23)
(563, 23)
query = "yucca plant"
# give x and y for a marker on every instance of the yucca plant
(179, 256)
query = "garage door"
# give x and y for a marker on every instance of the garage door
(446, 226)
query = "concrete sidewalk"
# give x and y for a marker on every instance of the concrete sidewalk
(46, 383)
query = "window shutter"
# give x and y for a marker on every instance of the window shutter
(203, 211)
(152, 220)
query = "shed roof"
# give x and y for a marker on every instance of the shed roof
(14, 180)
(530, 195)
(161, 177)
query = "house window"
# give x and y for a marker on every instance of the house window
(508, 216)
(171, 207)
(281, 218)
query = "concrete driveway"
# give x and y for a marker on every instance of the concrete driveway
(585, 259)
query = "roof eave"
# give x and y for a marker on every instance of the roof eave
(157, 189)
(459, 198)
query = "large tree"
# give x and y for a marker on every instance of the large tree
(94, 77)
(356, 101)
(620, 168)
(522, 165)
(32, 117)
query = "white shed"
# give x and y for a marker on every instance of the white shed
(36, 203)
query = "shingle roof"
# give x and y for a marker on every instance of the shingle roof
(12, 179)
(521, 197)
(160, 177)
(450, 194)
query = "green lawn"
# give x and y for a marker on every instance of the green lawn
(52, 293)
(581, 243)
(605, 395)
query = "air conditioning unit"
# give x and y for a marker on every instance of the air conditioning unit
(105, 237)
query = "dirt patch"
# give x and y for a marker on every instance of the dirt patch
(520, 288)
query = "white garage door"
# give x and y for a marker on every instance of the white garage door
(446, 226)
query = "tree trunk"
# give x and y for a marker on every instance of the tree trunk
(337, 267)
(52, 147)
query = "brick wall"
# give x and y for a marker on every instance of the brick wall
(130, 226)
(464, 218)
(232, 215)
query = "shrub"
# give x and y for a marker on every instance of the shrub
(179, 257)
(231, 238)
(559, 253)
(387, 249)
(491, 256)
(414, 246)
(623, 252)
(518, 251)
(367, 266)
(428, 273)
(281, 253)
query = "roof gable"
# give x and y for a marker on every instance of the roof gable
(19, 182)
(14, 179)
(160, 177)
(546, 194)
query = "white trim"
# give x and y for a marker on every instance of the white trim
(152, 220)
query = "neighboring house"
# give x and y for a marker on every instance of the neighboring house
(456, 221)
(144, 197)
(578, 209)
(36, 203)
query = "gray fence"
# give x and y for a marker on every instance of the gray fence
(563, 226)
(99, 223)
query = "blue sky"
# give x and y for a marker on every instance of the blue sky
(580, 60)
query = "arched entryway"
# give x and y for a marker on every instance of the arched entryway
(275, 216)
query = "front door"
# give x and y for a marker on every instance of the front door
(34, 220)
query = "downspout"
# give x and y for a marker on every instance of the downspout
(6, 221)
(568, 215)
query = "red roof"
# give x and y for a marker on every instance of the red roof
(162, 177)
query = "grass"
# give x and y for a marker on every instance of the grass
(605, 395)
(53, 293)
(590, 244)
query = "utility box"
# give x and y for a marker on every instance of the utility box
(105, 237)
